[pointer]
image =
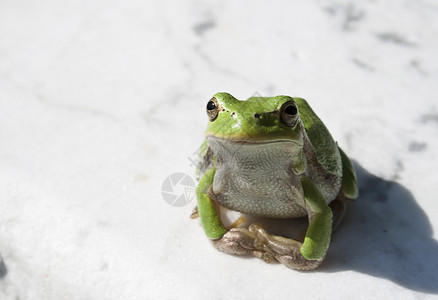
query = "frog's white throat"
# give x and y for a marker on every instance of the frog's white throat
(258, 177)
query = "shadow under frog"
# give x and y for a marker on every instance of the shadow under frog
(3, 269)
(385, 234)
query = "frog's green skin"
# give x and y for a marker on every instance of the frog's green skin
(272, 157)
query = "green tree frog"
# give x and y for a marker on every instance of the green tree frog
(272, 157)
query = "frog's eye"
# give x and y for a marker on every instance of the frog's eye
(289, 113)
(212, 109)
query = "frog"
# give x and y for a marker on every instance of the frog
(271, 157)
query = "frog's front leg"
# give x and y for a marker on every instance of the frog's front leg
(237, 240)
(208, 213)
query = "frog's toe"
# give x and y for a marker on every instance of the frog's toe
(236, 241)
(265, 256)
(195, 213)
(297, 262)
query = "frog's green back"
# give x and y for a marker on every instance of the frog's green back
(326, 149)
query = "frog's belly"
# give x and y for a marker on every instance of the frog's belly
(273, 193)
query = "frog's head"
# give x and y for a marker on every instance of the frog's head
(262, 133)
(256, 120)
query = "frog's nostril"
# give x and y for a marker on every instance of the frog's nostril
(257, 116)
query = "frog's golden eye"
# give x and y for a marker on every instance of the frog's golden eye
(289, 113)
(212, 109)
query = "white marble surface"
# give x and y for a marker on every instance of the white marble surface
(101, 100)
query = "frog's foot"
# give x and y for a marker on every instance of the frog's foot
(236, 241)
(195, 213)
(257, 242)
(281, 249)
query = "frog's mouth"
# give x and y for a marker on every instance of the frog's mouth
(212, 138)
(279, 152)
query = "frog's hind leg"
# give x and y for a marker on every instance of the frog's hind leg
(339, 207)
(350, 188)
(348, 192)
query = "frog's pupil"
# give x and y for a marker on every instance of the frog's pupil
(211, 105)
(291, 110)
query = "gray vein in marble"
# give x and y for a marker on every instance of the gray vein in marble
(362, 65)
(351, 15)
(430, 117)
(395, 38)
(149, 116)
(73, 108)
(416, 65)
(201, 27)
(43, 99)
(214, 66)
(417, 146)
